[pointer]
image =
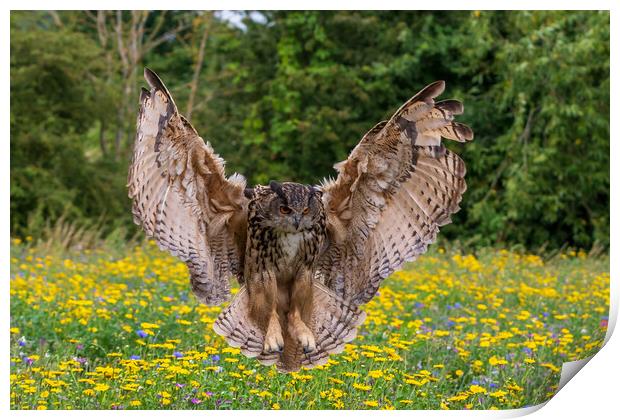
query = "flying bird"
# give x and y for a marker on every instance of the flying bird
(306, 256)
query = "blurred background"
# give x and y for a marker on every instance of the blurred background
(285, 95)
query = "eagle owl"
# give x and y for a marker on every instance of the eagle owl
(306, 257)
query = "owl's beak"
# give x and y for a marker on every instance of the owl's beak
(296, 220)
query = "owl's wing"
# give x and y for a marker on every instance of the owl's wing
(182, 198)
(395, 190)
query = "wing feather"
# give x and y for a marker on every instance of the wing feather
(182, 198)
(398, 186)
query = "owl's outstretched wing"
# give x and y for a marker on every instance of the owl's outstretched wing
(395, 190)
(182, 198)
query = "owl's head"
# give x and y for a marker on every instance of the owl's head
(287, 206)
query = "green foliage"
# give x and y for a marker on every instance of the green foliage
(289, 97)
(543, 177)
(53, 106)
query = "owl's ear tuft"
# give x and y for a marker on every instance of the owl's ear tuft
(316, 191)
(248, 193)
(276, 187)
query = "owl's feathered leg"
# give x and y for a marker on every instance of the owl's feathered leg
(300, 311)
(263, 290)
(333, 323)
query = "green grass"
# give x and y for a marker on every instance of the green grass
(90, 330)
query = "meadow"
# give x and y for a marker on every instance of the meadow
(121, 330)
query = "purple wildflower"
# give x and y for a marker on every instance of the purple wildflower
(195, 401)
(604, 322)
(141, 334)
(134, 357)
(215, 358)
(177, 354)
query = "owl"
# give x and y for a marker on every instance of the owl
(306, 257)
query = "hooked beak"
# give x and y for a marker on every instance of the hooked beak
(296, 220)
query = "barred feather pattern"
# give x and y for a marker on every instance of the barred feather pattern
(398, 186)
(181, 196)
(334, 323)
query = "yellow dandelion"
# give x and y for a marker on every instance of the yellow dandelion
(477, 389)
(362, 387)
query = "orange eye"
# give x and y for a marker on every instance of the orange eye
(306, 210)
(285, 209)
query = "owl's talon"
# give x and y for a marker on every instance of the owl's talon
(306, 339)
(274, 343)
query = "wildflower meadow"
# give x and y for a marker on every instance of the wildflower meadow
(95, 330)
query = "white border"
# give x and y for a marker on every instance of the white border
(592, 394)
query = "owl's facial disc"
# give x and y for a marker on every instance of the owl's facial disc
(293, 207)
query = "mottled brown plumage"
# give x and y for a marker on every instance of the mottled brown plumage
(306, 256)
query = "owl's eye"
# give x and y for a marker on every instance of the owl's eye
(306, 210)
(285, 209)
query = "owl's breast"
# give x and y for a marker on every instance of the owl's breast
(291, 244)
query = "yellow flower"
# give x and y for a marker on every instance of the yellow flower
(459, 397)
(14, 330)
(89, 392)
(550, 366)
(135, 403)
(514, 387)
(493, 361)
(498, 394)
(362, 387)
(101, 387)
(477, 389)
(275, 406)
(371, 403)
